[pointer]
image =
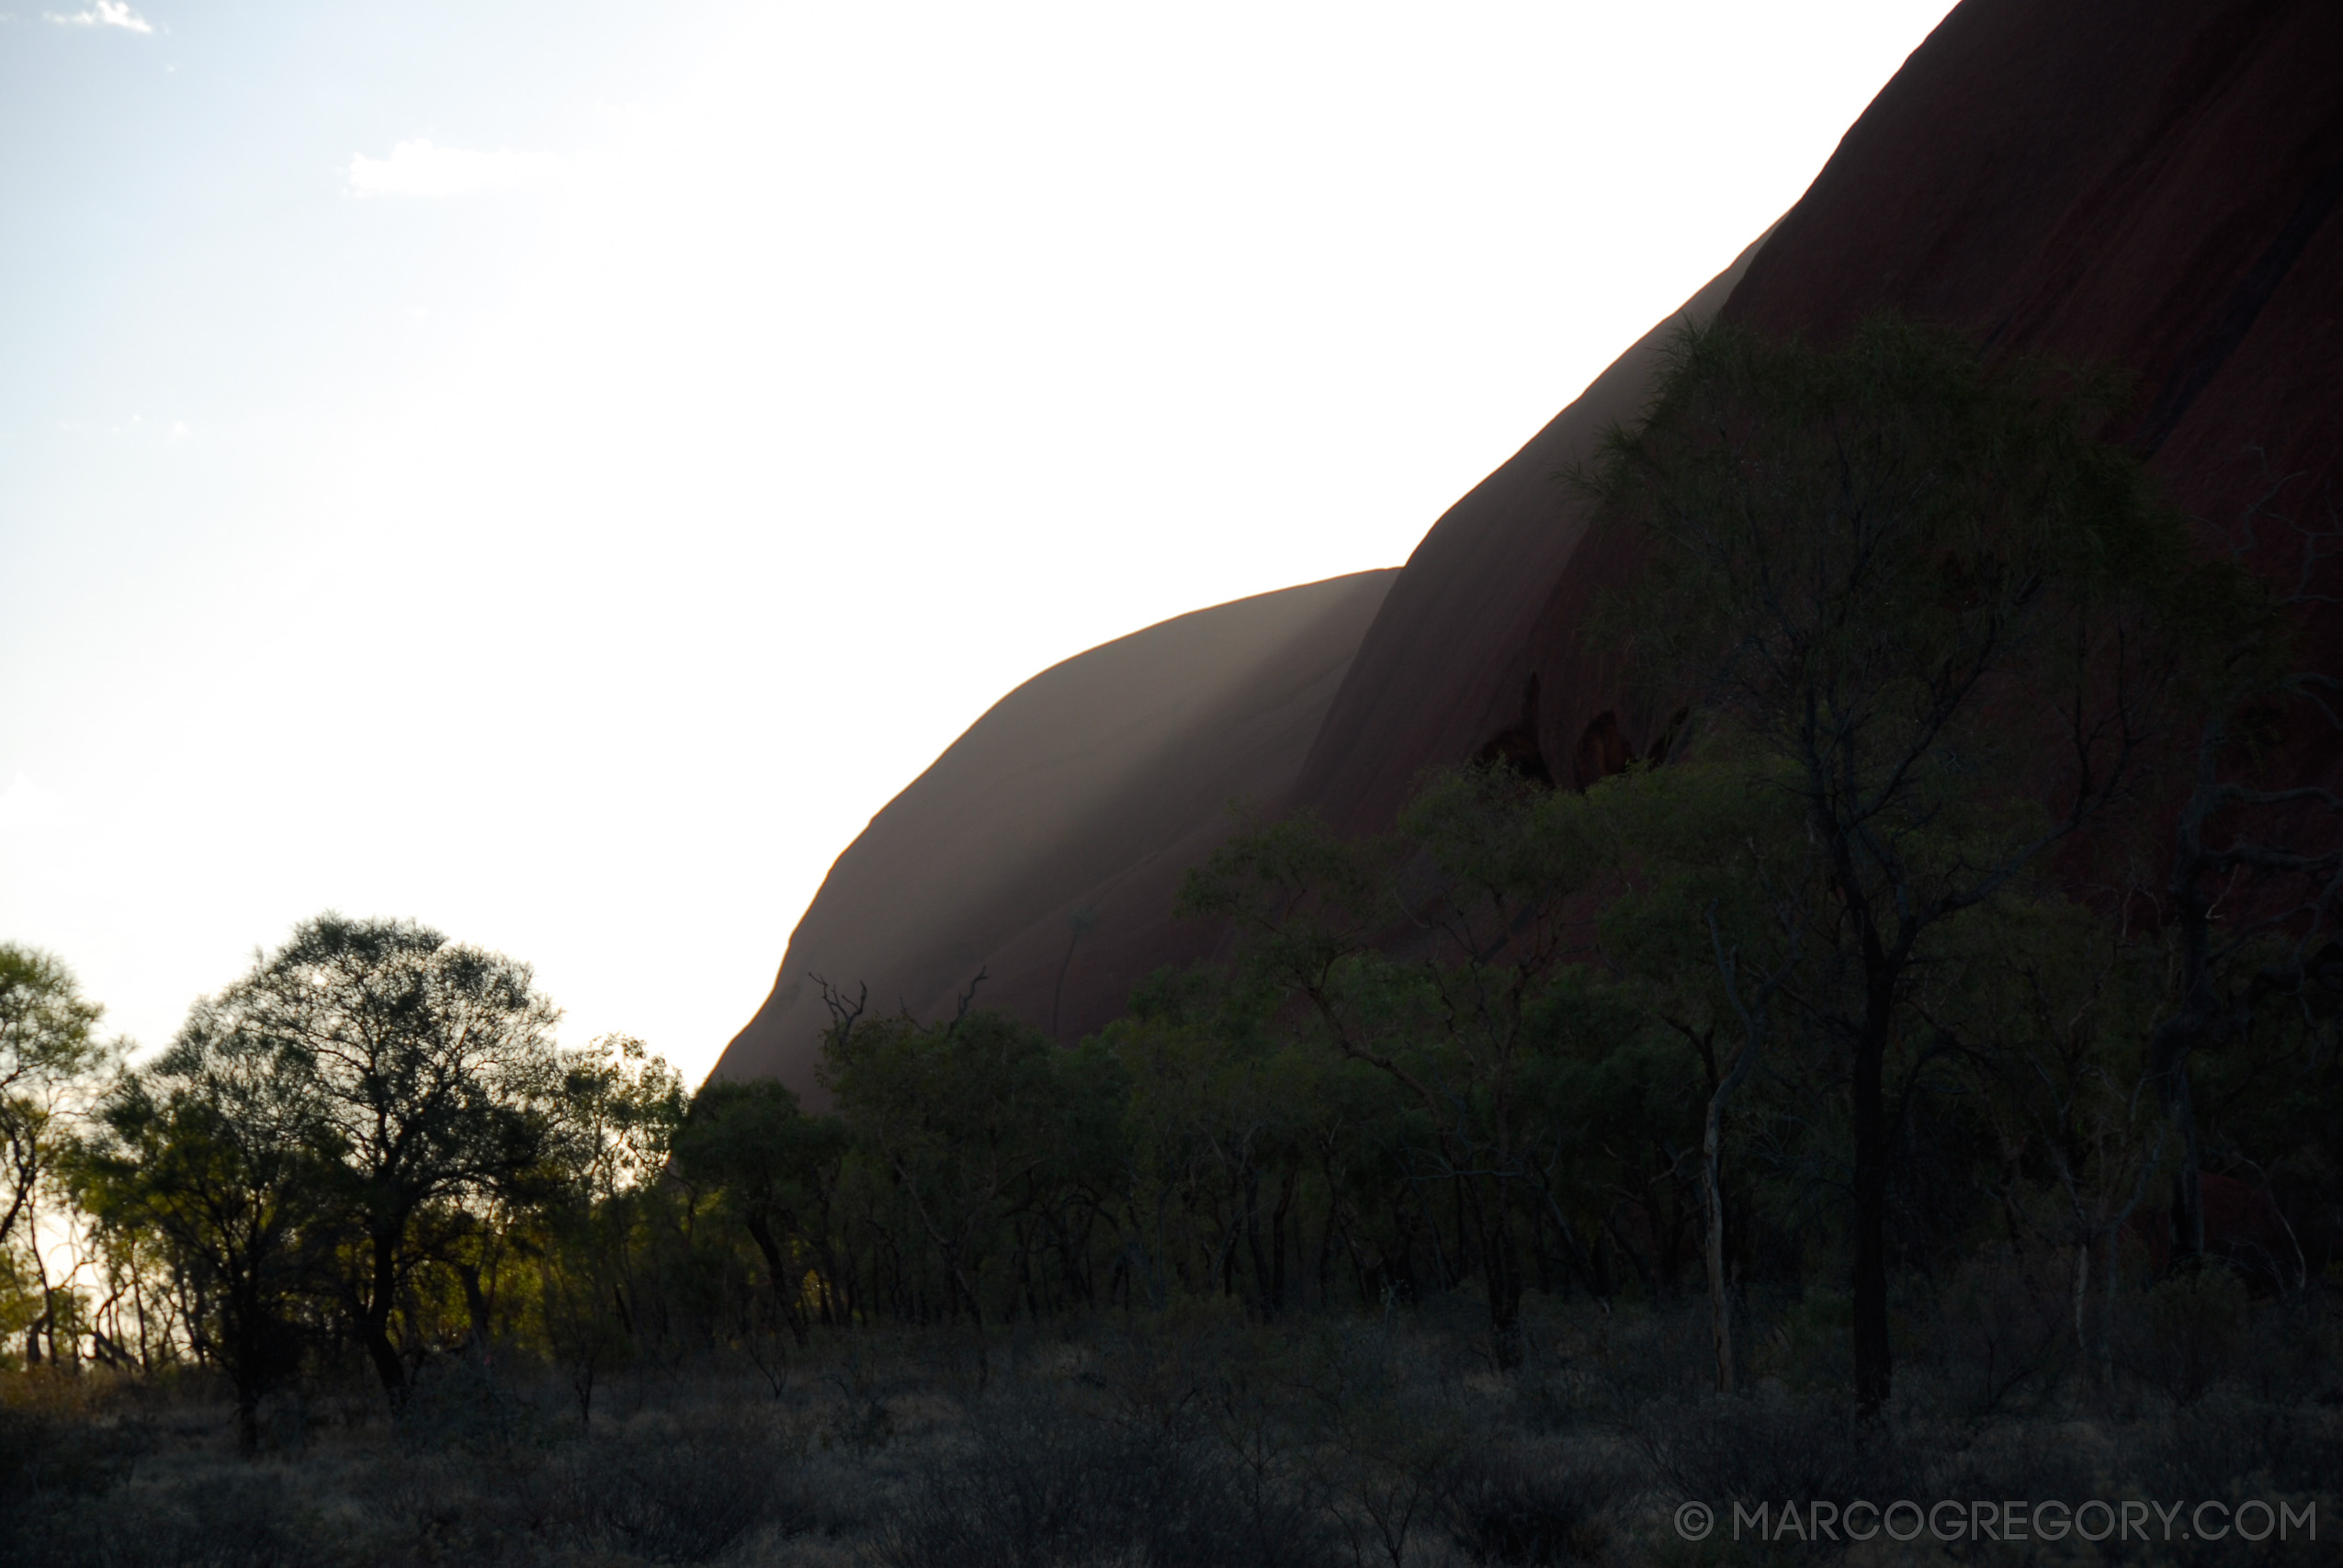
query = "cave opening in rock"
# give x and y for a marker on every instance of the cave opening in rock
(1516, 745)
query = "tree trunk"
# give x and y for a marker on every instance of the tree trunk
(2082, 1298)
(476, 1308)
(374, 1323)
(1277, 1238)
(1875, 1360)
(247, 1422)
(1503, 1268)
(2188, 1182)
(784, 1303)
(1252, 1241)
(247, 1386)
(2174, 1043)
(1325, 1239)
(967, 1287)
(1720, 1305)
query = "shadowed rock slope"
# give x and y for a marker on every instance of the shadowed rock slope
(2149, 186)
(1450, 669)
(2152, 187)
(1045, 846)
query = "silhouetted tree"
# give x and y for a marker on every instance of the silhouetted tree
(1915, 577)
(47, 1051)
(776, 1168)
(433, 1086)
(219, 1149)
(50, 1063)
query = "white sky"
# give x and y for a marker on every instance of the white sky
(555, 470)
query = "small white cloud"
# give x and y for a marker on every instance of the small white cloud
(418, 168)
(104, 13)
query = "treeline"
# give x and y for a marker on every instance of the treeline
(1950, 942)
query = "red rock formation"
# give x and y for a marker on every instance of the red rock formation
(1446, 672)
(2152, 187)
(2149, 186)
(1046, 845)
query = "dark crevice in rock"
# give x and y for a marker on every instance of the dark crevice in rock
(1516, 745)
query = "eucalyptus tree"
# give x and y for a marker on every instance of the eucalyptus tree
(601, 1225)
(2253, 895)
(433, 1090)
(1443, 960)
(1912, 577)
(1708, 928)
(1216, 1111)
(219, 1150)
(51, 1064)
(49, 1052)
(981, 1130)
(776, 1169)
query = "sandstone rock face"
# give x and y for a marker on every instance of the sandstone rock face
(1045, 847)
(2147, 187)
(2152, 187)
(1475, 652)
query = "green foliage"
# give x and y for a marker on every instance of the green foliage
(777, 1170)
(979, 1136)
(217, 1150)
(1440, 962)
(427, 1068)
(618, 1114)
(1877, 523)
(48, 1056)
(1907, 581)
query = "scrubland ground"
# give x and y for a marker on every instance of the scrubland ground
(1197, 1438)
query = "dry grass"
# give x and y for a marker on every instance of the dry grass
(1193, 1440)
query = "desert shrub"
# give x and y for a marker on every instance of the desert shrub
(46, 1453)
(1509, 1506)
(51, 1463)
(1806, 1343)
(1035, 1485)
(2190, 1327)
(453, 1506)
(2030, 1459)
(2293, 1348)
(860, 1422)
(2001, 1331)
(686, 1496)
(456, 1403)
(230, 1521)
(2227, 1441)
(1761, 1447)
